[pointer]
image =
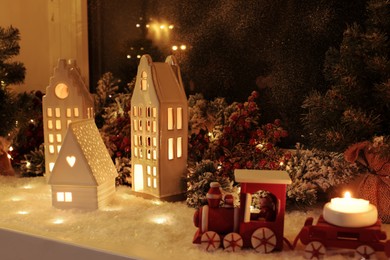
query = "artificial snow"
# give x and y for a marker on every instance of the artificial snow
(130, 226)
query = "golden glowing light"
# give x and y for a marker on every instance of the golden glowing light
(156, 202)
(16, 199)
(183, 47)
(58, 221)
(174, 48)
(347, 195)
(161, 220)
(22, 212)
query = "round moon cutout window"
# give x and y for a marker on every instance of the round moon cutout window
(62, 90)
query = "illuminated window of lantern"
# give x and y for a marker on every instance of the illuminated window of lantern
(144, 80)
(179, 118)
(179, 147)
(135, 124)
(59, 138)
(49, 112)
(68, 196)
(135, 111)
(71, 160)
(60, 196)
(51, 149)
(154, 112)
(61, 90)
(51, 138)
(50, 124)
(68, 112)
(89, 112)
(76, 112)
(170, 148)
(64, 196)
(58, 124)
(58, 112)
(138, 176)
(51, 165)
(154, 127)
(170, 118)
(135, 140)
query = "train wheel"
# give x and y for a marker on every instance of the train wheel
(232, 242)
(365, 252)
(263, 240)
(210, 241)
(315, 250)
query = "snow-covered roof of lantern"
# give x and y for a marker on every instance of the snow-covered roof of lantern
(84, 140)
(262, 176)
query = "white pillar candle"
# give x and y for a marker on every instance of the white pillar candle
(350, 212)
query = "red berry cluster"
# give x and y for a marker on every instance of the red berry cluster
(243, 143)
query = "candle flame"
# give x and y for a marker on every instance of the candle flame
(347, 195)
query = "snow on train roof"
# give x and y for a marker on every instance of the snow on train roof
(262, 176)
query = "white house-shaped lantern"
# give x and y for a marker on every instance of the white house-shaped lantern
(159, 129)
(67, 99)
(84, 174)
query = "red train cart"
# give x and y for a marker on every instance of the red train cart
(244, 227)
(366, 241)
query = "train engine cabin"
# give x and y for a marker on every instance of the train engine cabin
(264, 224)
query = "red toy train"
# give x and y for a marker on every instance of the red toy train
(259, 221)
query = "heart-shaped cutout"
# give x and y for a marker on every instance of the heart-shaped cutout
(71, 160)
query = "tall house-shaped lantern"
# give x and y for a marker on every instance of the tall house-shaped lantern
(67, 99)
(159, 129)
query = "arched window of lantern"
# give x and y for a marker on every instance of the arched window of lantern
(144, 80)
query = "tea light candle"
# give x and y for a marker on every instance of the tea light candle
(350, 212)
